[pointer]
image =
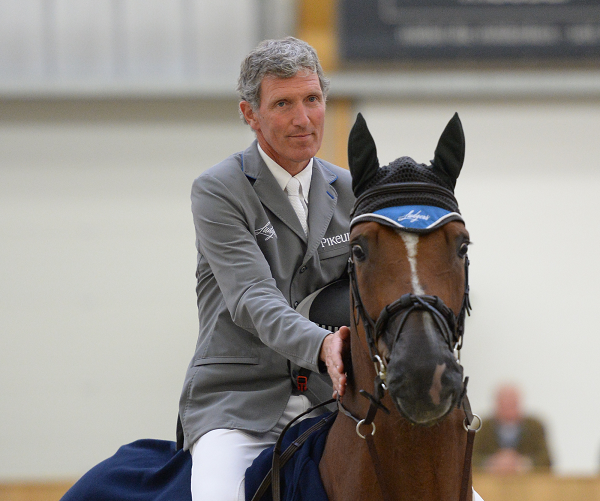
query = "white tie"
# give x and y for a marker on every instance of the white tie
(293, 191)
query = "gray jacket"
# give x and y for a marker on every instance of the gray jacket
(255, 264)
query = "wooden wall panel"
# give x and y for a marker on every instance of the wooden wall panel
(317, 25)
(534, 487)
(537, 487)
(34, 491)
(338, 121)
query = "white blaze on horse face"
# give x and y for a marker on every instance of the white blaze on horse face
(411, 242)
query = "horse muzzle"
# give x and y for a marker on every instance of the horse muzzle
(424, 378)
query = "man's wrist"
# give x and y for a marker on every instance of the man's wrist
(323, 355)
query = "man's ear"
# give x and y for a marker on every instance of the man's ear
(249, 116)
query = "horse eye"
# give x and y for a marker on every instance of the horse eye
(464, 248)
(358, 253)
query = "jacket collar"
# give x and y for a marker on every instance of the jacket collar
(268, 190)
(321, 204)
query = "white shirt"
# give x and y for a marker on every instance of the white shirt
(283, 176)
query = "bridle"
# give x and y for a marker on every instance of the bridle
(450, 325)
(452, 328)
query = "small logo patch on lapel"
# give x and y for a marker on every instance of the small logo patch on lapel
(266, 231)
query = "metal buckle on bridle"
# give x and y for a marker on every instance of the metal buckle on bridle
(458, 348)
(381, 371)
(374, 406)
(469, 426)
(359, 424)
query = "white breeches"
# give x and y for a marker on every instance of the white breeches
(220, 457)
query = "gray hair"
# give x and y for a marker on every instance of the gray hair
(281, 58)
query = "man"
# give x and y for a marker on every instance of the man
(271, 228)
(510, 442)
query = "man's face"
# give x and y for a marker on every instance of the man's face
(289, 122)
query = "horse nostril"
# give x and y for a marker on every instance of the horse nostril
(435, 392)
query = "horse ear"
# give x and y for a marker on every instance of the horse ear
(450, 152)
(362, 155)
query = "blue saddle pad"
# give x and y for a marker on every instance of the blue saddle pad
(154, 470)
(145, 470)
(300, 478)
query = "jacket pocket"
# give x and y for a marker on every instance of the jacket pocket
(226, 360)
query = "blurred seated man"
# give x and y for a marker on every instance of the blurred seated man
(510, 442)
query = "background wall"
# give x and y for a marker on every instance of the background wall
(97, 270)
(97, 304)
(97, 260)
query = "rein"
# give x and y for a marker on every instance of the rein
(279, 460)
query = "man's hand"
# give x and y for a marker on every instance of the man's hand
(333, 350)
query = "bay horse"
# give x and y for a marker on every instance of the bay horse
(409, 296)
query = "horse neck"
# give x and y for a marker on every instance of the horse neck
(416, 463)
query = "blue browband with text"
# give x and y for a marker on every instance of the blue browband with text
(417, 218)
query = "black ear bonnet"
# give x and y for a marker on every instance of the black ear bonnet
(403, 182)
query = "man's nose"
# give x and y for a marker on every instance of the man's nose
(300, 116)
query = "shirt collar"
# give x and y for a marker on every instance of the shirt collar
(282, 176)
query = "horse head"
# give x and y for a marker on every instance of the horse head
(408, 271)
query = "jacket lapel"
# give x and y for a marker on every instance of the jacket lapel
(321, 206)
(269, 192)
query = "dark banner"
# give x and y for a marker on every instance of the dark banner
(397, 30)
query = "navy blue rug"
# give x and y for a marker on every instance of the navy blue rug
(154, 470)
(145, 470)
